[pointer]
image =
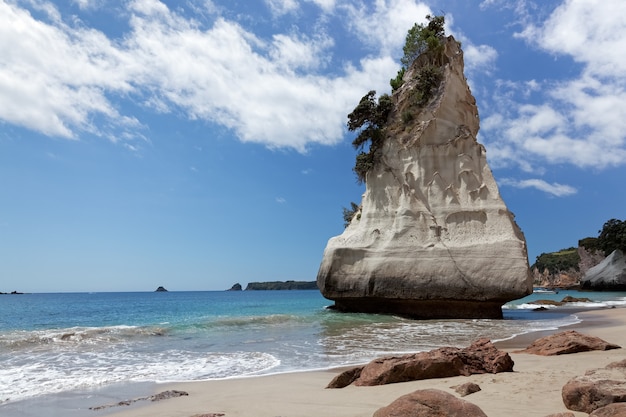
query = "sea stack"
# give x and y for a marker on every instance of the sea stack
(432, 237)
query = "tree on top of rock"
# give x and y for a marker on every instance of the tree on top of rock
(612, 236)
(421, 39)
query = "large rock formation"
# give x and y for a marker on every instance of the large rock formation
(610, 274)
(433, 238)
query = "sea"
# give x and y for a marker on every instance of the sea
(63, 353)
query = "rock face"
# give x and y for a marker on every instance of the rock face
(596, 389)
(430, 403)
(610, 274)
(433, 237)
(566, 342)
(479, 358)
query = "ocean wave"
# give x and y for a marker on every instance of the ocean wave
(245, 322)
(21, 339)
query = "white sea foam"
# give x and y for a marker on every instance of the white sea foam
(49, 372)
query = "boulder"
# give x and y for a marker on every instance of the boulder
(608, 275)
(479, 358)
(430, 403)
(566, 342)
(611, 410)
(596, 389)
(432, 237)
(466, 389)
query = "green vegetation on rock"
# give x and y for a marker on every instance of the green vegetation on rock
(348, 213)
(282, 285)
(370, 116)
(612, 236)
(554, 262)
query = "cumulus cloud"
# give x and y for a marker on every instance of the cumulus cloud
(582, 120)
(54, 77)
(61, 79)
(556, 189)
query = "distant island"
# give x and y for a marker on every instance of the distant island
(280, 285)
(12, 293)
(160, 289)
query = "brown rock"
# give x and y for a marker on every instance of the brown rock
(430, 403)
(466, 389)
(596, 389)
(611, 410)
(566, 414)
(479, 358)
(345, 378)
(569, 341)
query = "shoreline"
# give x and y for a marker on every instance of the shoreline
(534, 385)
(533, 388)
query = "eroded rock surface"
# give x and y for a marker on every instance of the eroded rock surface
(479, 358)
(430, 403)
(433, 237)
(566, 342)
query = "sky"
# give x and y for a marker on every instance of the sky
(195, 144)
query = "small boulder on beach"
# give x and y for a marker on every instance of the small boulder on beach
(566, 342)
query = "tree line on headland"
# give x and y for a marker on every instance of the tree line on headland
(277, 285)
(567, 266)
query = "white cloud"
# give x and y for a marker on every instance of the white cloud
(60, 79)
(88, 4)
(281, 7)
(556, 189)
(582, 120)
(479, 57)
(281, 200)
(393, 19)
(54, 77)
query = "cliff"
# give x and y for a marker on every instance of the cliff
(433, 237)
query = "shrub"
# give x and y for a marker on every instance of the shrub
(348, 213)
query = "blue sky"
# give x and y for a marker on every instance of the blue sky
(195, 144)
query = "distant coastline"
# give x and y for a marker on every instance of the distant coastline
(277, 285)
(11, 293)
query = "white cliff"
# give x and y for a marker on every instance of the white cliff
(433, 237)
(609, 275)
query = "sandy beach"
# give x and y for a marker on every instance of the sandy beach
(532, 390)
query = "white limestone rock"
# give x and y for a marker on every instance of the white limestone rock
(433, 238)
(610, 274)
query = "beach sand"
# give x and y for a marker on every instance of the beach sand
(532, 390)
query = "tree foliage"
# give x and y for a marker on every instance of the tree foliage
(369, 118)
(563, 260)
(422, 38)
(612, 236)
(348, 213)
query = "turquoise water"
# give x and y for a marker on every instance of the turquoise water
(57, 343)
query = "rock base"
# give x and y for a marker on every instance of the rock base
(422, 309)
